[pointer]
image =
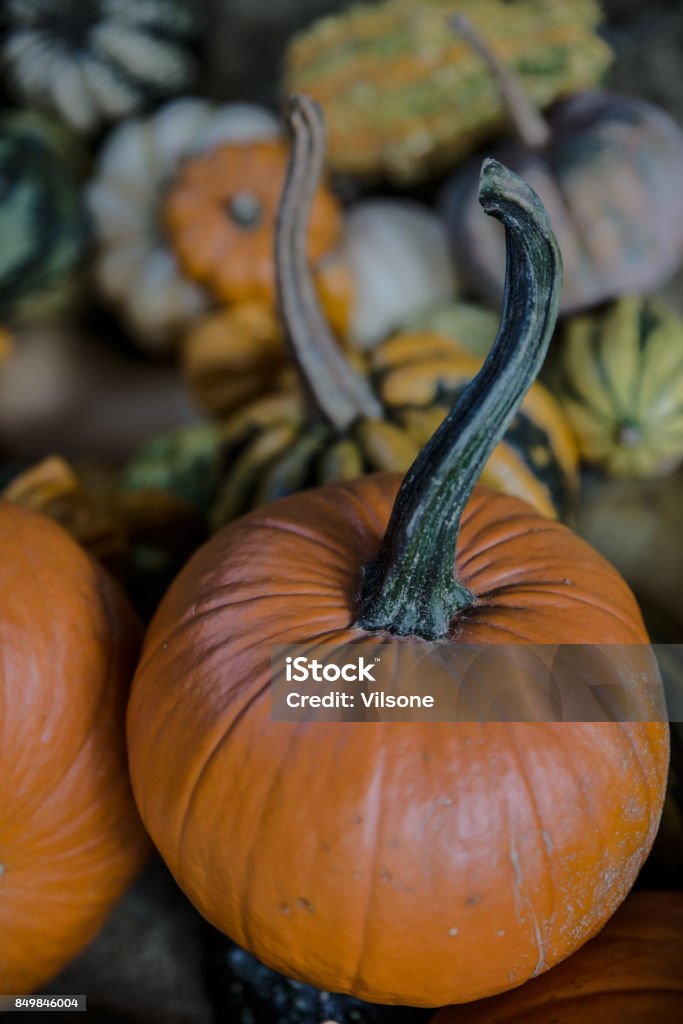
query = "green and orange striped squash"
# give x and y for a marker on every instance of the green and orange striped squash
(404, 97)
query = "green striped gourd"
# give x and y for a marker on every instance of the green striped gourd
(404, 96)
(42, 221)
(620, 382)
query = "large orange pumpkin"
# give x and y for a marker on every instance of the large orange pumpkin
(407, 863)
(631, 973)
(70, 837)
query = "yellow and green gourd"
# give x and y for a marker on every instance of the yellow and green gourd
(405, 97)
(619, 378)
(350, 416)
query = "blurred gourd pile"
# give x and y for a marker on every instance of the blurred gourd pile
(165, 366)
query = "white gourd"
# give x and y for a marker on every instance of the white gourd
(399, 259)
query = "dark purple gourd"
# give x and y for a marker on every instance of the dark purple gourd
(609, 170)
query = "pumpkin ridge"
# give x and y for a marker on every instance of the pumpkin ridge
(357, 981)
(565, 596)
(268, 525)
(628, 731)
(589, 814)
(87, 729)
(223, 736)
(543, 846)
(459, 628)
(507, 539)
(257, 828)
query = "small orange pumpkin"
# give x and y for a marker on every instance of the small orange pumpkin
(220, 217)
(631, 973)
(70, 838)
(381, 859)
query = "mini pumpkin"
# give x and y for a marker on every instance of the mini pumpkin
(404, 99)
(96, 61)
(619, 378)
(135, 268)
(220, 218)
(630, 973)
(380, 859)
(608, 168)
(355, 418)
(70, 837)
(42, 220)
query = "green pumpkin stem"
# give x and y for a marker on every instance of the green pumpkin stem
(338, 394)
(532, 129)
(411, 588)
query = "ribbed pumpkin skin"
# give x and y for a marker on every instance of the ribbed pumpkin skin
(631, 973)
(610, 181)
(403, 863)
(70, 837)
(620, 384)
(404, 97)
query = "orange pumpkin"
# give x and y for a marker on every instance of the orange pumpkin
(220, 217)
(403, 863)
(70, 838)
(631, 973)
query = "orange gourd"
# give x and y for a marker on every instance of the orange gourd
(70, 837)
(220, 217)
(631, 973)
(403, 863)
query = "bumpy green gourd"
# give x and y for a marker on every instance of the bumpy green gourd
(619, 379)
(404, 96)
(42, 222)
